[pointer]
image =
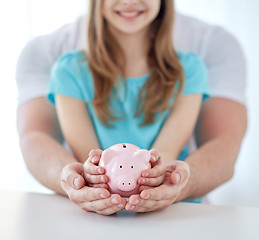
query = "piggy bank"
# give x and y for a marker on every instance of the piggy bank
(124, 164)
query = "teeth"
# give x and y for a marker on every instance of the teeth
(129, 14)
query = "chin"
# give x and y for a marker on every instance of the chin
(129, 31)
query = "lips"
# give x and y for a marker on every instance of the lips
(129, 13)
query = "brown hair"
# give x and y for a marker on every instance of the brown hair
(106, 62)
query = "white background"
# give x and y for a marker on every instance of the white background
(22, 19)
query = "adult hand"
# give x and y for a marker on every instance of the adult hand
(88, 198)
(153, 199)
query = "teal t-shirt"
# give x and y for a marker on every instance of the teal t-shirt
(71, 76)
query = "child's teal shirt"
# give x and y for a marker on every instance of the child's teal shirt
(71, 76)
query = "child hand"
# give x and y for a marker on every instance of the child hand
(94, 174)
(155, 176)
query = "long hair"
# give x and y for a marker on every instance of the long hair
(107, 61)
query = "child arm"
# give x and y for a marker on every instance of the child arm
(76, 126)
(178, 127)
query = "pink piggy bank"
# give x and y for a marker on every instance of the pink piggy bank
(123, 164)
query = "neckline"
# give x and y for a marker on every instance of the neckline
(143, 77)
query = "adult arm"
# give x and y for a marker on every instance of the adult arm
(221, 127)
(224, 117)
(52, 165)
(40, 137)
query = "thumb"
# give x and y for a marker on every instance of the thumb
(72, 176)
(76, 181)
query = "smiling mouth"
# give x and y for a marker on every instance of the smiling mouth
(129, 14)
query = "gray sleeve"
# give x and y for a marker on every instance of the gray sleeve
(39, 55)
(226, 64)
(32, 70)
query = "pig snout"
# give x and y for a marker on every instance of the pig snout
(126, 183)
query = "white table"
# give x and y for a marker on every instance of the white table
(31, 216)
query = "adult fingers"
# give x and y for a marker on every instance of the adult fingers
(111, 210)
(161, 192)
(152, 206)
(115, 206)
(88, 194)
(141, 188)
(106, 206)
(71, 176)
(179, 170)
(137, 204)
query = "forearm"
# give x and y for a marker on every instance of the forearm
(210, 166)
(45, 158)
(178, 127)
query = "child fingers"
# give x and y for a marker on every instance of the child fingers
(95, 155)
(156, 171)
(90, 168)
(95, 179)
(100, 185)
(151, 182)
(155, 155)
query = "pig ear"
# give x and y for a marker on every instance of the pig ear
(143, 154)
(107, 155)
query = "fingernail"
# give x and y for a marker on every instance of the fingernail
(132, 207)
(102, 196)
(94, 159)
(114, 201)
(147, 196)
(76, 182)
(99, 170)
(178, 177)
(154, 158)
(136, 202)
(146, 174)
(120, 205)
(143, 181)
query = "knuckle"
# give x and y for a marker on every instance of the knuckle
(91, 179)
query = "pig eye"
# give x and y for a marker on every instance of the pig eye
(120, 166)
(131, 166)
(124, 146)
